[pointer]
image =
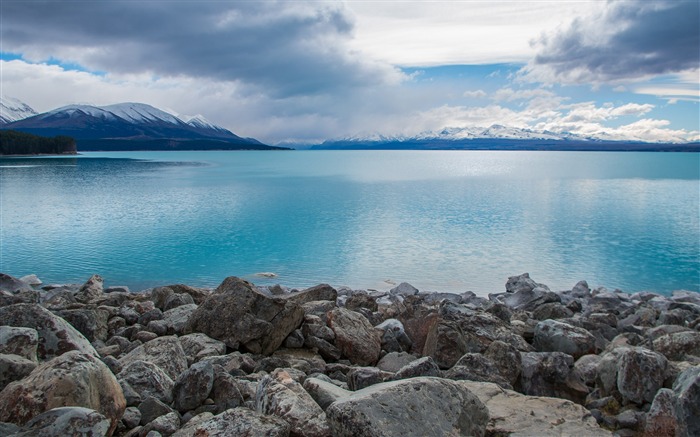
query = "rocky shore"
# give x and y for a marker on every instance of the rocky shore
(241, 360)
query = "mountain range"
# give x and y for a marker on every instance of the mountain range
(123, 126)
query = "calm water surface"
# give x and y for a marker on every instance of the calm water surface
(443, 221)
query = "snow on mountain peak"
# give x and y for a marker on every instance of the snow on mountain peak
(12, 109)
(140, 113)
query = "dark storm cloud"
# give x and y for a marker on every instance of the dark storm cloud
(286, 48)
(632, 39)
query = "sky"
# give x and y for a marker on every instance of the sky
(305, 71)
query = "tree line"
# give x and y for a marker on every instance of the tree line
(21, 143)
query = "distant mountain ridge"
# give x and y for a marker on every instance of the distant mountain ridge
(12, 109)
(129, 126)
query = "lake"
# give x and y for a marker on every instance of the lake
(440, 220)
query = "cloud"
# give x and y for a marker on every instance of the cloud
(627, 41)
(280, 48)
(476, 94)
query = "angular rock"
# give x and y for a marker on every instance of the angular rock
(164, 352)
(661, 420)
(91, 322)
(393, 361)
(511, 413)
(361, 377)
(226, 391)
(421, 367)
(687, 392)
(72, 379)
(13, 368)
(404, 289)
(240, 422)
(239, 315)
(176, 300)
(294, 340)
(66, 421)
(165, 425)
(193, 386)
(175, 320)
(416, 406)
(56, 336)
(679, 346)
(91, 290)
(355, 337)
(147, 379)
(506, 359)
(318, 293)
(131, 417)
(587, 367)
(641, 373)
(519, 283)
(279, 395)
(19, 341)
(551, 374)
(324, 392)
(394, 338)
(197, 346)
(476, 367)
(552, 310)
(151, 408)
(13, 285)
(555, 336)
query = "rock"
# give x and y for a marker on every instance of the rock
(192, 387)
(31, 280)
(150, 409)
(19, 341)
(14, 368)
(176, 300)
(361, 300)
(476, 367)
(90, 322)
(551, 374)
(393, 361)
(226, 392)
(555, 336)
(587, 367)
(421, 367)
(13, 285)
(323, 392)
(175, 320)
(661, 420)
(164, 352)
(394, 338)
(318, 293)
(404, 289)
(91, 290)
(458, 330)
(279, 395)
(294, 340)
(416, 406)
(238, 315)
(506, 359)
(641, 373)
(131, 417)
(72, 379)
(354, 336)
(679, 346)
(240, 422)
(517, 284)
(233, 362)
(66, 421)
(147, 379)
(56, 336)
(361, 377)
(198, 346)
(687, 391)
(552, 310)
(165, 425)
(511, 413)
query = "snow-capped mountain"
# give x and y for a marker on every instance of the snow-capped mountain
(12, 109)
(127, 126)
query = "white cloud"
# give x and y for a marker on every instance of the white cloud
(476, 94)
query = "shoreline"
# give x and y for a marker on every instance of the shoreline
(184, 361)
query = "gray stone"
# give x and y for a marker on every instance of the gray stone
(56, 336)
(91, 322)
(151, 408)
(239, 315)
(641, 373)
(417, 406)
(19, 341)
(175, 320)
(177, 299)
(294, 340)
(404, 289)
(14, 368)
(72, 379)
(198, 346)
(226, 390)
(507, 360)
(31, 280)
(13, 285)
(687, 392)
(393, 361)
(661, 420)
(147, 379)
(587, 367)
(421, 367)
(322, 292)
(355, 337)
(679, 346)
(193, 386)
(66, 421)
(239, 422)
(551, 374)
(279, 395)
(131, 417)
(324, 392)
(476, 367)
(165, 425)
(361, 377)
(164, 352)
(91, 290)
(555, 336)
(394, 338)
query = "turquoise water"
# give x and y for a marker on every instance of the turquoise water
(440, 220)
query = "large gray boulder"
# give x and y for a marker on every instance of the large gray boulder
(198, 346)
(240, 316)
(635, 373)
(164, 352)
(317, 293)
(91, 322)
(477, 367)
(661, 420)
(147, 379)
(14, 368)
(56, 336)
(679, 346)
(556, 336)
(238, 422)
(355, 337)
(192, 387)
(66, 421)
(175, 320)
(280, 395)
(324, 392)
(91, 290)
(551, 374)
(511, 413)
(687, 391)
(19, 341)
(72, 379)
(418, 406)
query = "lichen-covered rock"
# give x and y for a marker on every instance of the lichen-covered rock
(19, 341)
(72, 379)
(14, 368)
(421, 367)
(551, 374)
(91, 290)
(511, 413)
(355, 337)
(239, 315)
(687, 391)
(192, 387)
(279, 395)
(239, 422)
(394, 338)
(556, 336)
(312, 294)
(507, 360)
(679, 346)
(91, 322)
(477, 367)
(661, 420)
(147, 379)
(56, 336)
(175, 320)
(151, 408)
(324, 392)
(636, 374)
(393, 361)
(164, 352)
(418, 406)
(197, 346)
(361, 377)
(66, 421)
